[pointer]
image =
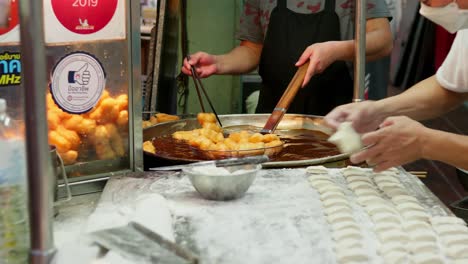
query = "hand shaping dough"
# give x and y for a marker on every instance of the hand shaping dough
(346, 138)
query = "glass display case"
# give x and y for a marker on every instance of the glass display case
(93, 92)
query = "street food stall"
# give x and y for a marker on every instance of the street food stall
(288, 196)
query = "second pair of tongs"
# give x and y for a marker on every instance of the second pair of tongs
(198, 86)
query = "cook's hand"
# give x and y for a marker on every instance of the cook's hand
(398, 141)
(206, 64)
(364, 115)
(321, 55)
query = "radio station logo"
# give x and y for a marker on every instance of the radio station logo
(10, 68)
(78, 81)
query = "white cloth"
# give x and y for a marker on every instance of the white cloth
(453, 74)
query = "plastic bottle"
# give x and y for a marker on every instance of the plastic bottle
(14, 225)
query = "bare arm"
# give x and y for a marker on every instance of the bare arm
(379, 41)
(242, 59)
(427, 99)
(379, 44)
(446, 147)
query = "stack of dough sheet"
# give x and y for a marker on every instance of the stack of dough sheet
(404, 229)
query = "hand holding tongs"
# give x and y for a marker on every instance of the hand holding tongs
(198, 85)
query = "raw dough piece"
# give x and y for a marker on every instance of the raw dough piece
(355, 178)
(396, 257)
(427, 259)
(396, 236)
(386, 217)
(317, 170)
(392, 246)
(453, 240)
(386, 226)
(457, 251)
(409, 206)
(350, 243)
(331, 195)
(420, 235)
(329, 188)
(336, 209)
(335, 201)
(414, 225)
(339, 217)
(394, 191)
(423, 247)
(443, 230)
(347, 233)
(345, 225)
(385, 178)
(320, 177)
(416, 215)
(320, 184)
(448, 220)
(404, 198)
(389, 173)
(354, 171)
(373, 209)
(346, 138)
(351, 255)
(383, 185)
(366, 192)
(369, 199)
(360, 185)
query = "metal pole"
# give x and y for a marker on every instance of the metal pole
(360, 50)
(38, 157)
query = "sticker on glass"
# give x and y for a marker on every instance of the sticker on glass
(10, 68)
(84, 16)
(9, 20)
(78, 81)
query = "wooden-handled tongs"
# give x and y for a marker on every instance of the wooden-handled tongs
(285, 101)
(198, 86)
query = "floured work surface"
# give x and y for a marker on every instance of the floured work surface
(282, 219)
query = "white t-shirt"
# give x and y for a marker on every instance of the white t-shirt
(453, 74)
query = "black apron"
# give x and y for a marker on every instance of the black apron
(288, 35)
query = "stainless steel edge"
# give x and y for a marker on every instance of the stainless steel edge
(39, 163)
(289, 121)
(135, 96)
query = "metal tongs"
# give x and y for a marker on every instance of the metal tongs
(198, 86)
(218, 163)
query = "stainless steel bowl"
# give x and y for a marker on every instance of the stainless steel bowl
(224, 185)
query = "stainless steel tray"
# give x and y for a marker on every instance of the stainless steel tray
(289, 121)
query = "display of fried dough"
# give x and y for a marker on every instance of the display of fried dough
(210, 137)
(100, 129)
(159, 118)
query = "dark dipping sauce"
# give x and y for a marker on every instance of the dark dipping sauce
(299, 144)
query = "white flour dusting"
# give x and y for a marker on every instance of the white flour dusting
(279, 220)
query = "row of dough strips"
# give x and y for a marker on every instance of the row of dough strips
(404, 229)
